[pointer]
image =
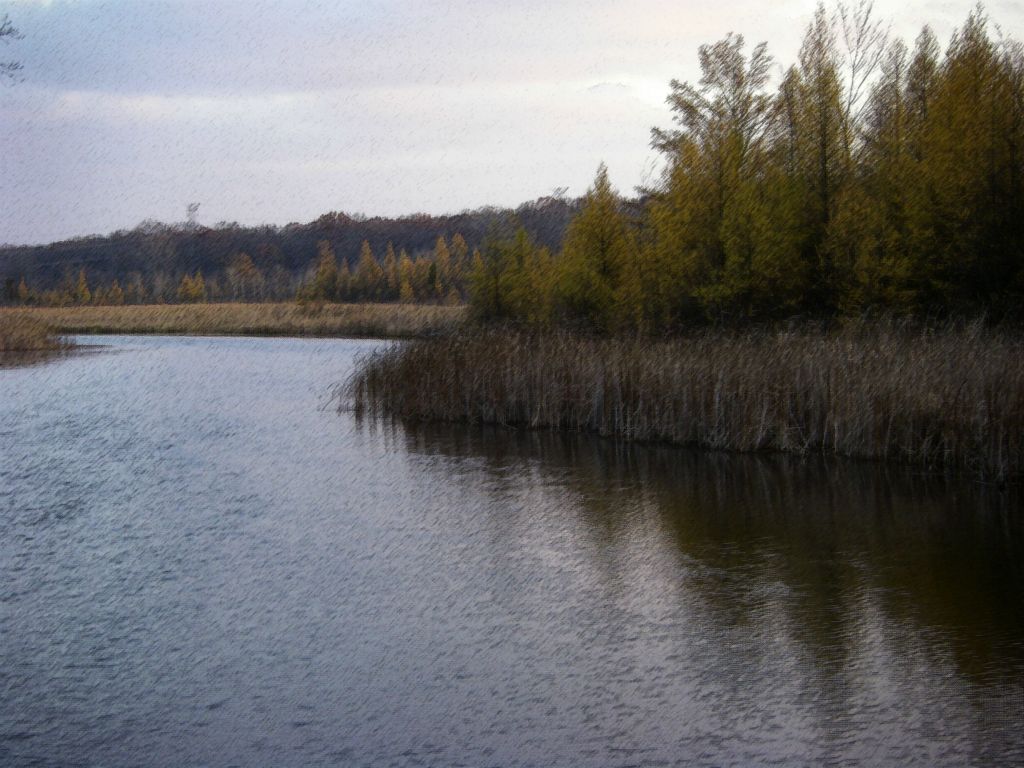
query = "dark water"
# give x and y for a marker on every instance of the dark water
(200, 566)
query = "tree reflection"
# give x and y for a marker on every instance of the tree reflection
(835, 555)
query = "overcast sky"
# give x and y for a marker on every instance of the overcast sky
(271, 112)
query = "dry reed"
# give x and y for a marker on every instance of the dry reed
(284, 319)
(941, 399)
(22, 333)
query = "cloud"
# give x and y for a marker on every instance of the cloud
(271, 111)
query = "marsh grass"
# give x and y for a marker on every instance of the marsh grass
(942, 399)
(21, 333)
(283, 319)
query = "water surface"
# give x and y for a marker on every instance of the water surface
(200, 564)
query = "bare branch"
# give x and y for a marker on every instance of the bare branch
(9, 69)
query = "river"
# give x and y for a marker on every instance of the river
(204, 562)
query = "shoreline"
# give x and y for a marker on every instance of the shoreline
(946, 401)
(247, 334)
(385, 321)
(23, 335)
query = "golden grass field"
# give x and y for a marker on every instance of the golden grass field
(283, 319)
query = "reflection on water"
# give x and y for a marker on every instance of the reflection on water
(32, 357)
(890, 599)
(200, 564)
(941, 553)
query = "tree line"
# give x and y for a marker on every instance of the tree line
(167, 263)
(869, 175)
(440, 276)
(872, 176)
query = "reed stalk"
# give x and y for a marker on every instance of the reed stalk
(21, 333)
(943, 399)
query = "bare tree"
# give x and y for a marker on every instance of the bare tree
(9, 69)
(865, 43)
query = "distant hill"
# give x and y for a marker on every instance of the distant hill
(163, 253)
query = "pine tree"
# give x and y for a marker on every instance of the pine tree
(325, 279)
(597, 246)
(244, 278)
(345, 282)
(135, 289)
(369, 275)
(460, 260)
(485, 296)
(81, 293)
(192, 289)
(198, 287)
(391, 278)
(868, 235)
(406, 270)
(971, 173)
(715, 155)
(115, 296)
(185, 288)
(442, 268)
(422, 280)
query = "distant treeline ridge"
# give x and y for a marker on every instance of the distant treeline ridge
(416, 258)
(873, 177)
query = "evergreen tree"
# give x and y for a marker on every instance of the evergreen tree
(460, 261)
(345, 282)
(325, 279)
(82, 294)
(369, 276)
(442, 267)
(971, 172)
(192, 289)
(185, 288)
(422, 279)
(115, 296)
(486, 300)
(198, 287)
(702, 220)
(597, 246)
(245, 280)
(406, 270)
(392, 281)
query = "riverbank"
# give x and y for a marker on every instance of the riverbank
(952, 399)
(278, 319)
(21, 333)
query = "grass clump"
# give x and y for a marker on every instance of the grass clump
(942, 399)
(21, 333)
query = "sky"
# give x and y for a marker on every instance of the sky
(273, 112)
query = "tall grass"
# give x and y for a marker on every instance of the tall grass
(942, 399)
(22, 333)
(284, 319)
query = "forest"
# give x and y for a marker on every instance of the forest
(870, 176)
(833, 265)
(875, 176)
(419, 258)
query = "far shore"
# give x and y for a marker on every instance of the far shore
(393, 321)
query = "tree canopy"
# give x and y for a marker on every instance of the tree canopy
(874, 177)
